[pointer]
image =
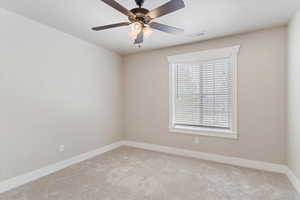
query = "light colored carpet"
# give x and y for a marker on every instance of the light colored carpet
(134, 174)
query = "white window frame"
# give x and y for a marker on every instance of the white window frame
(232, 53)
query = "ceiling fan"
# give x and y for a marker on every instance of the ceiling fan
(141, 19)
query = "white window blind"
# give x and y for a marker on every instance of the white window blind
(203, 94)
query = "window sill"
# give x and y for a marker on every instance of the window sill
(204, 132)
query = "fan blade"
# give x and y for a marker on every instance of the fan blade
(99, 28)
(166, 28)
(140, 38)
(119, 7)
(166, 8)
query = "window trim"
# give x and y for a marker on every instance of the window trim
(232, 53)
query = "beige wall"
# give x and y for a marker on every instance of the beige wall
(261, 97)
(54, 89)
(294, 95)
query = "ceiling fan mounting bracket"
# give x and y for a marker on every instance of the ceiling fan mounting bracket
(139, 3)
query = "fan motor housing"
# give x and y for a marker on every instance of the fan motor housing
(140, 15)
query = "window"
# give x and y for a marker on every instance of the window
(203, 93)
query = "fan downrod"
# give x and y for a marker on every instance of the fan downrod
(139, 3)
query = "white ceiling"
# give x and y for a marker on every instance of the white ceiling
(216, 17)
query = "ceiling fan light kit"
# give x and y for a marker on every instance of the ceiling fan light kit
(141, 19)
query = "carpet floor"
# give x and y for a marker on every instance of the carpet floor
(133, 174)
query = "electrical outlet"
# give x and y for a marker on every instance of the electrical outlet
(61, 148)
(196, 140)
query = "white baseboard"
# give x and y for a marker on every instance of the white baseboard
(293, 179)
(34, 175)
(211, 157)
